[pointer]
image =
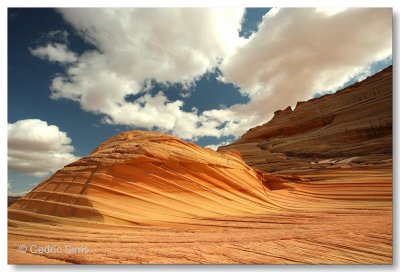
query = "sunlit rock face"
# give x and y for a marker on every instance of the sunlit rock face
(145, 177)
(351, 128)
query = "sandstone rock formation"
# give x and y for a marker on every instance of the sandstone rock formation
(146, 177)
(146, 197)
(12, 199)
(350, 128)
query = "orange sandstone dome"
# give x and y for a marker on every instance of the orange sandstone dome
(141, 177)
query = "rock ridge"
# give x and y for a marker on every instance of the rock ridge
(354, 123)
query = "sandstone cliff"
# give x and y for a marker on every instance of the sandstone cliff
(350, 128)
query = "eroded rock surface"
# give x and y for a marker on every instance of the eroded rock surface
(146, 197)
(351, 128)
(145, 177)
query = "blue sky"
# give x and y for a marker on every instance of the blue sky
(225, 89)
(29, 79)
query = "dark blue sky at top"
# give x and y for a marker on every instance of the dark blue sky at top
(29, 79)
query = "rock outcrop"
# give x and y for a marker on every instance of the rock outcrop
(12, 199)
(147, 197)
(145, 177)
(350, 128)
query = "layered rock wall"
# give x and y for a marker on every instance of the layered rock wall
(354, 123)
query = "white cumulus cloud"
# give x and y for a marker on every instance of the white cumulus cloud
(215, 146)
(294, 54)
(54, 52)
(133, 46)
(299, 51)
(36, 148)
